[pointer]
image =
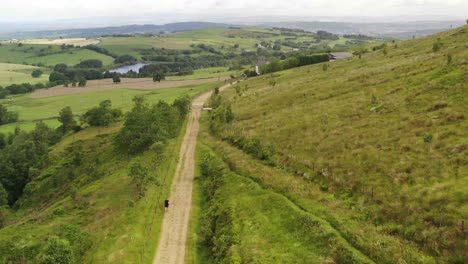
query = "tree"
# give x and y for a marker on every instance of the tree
(90, 64)
(6, 116)
(103, 115)
(58, 251)
(36, 73)
(158, 76)
(183, 105)
(82, 82)
(125, 59)
(67, 120)
(61, 68)
(3, 196)
(116, 78)
(57, 77)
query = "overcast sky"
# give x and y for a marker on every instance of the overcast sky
(43, 10)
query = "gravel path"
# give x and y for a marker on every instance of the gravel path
(173, 240)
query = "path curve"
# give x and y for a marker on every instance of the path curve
(173, 240)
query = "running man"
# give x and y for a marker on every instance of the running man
(166, 204)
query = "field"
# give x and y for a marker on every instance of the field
(374, 148)
(80, 42)
(222, 39)
(206, 73)
(17, 73)
(32, 109)
(48, 55)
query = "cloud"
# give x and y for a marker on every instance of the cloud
(19, 10)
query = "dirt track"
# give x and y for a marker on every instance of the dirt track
(127, 83)
(173, 240)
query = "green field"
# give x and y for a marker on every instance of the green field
(52, 55)
(18, 73)
(375, 146)
(206, 73)
(31, 109)
(222, 39)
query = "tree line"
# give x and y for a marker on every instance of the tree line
(292, 62)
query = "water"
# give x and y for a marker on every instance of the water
(127, 68)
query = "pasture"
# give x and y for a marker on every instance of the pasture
(79, 42)
(48, 55)
(32, 110)
(205, 73)
(18, 73)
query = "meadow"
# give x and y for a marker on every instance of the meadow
(207, 73)
(18, 73)
(375, 145)
(34, 109)
(48, 55)
(80, 42)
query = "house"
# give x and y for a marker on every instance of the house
(339, 55)
(258, 65)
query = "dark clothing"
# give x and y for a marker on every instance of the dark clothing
(166, 203)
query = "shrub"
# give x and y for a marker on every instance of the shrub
(103, 115)
(36, 73)
(145, 125)
(57, 251)
(436, 46)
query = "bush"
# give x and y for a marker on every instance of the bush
(145, 125)
(6, 116)
(36, 73)
(103, 115)
(57, 251)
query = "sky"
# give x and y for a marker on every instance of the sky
(22, 11)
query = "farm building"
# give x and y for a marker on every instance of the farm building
(339, 55)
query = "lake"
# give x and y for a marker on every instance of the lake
(127, 68)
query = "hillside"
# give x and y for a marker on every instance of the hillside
(93, 192)
(366, 157)
(101, 31)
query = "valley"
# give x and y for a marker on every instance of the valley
(271, 145)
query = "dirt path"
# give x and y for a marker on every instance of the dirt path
(173, 240)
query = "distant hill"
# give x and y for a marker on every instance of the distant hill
(97, 32)
(404, 30)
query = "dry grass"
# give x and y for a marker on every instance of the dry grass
(68, 41)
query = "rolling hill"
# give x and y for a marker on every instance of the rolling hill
(367, 157)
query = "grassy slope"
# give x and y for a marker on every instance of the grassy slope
(31, 109)
(385, 134)
(121, 227)
(206, 73)
(18, 73)
(24, 54)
